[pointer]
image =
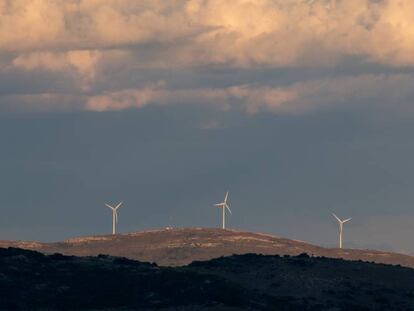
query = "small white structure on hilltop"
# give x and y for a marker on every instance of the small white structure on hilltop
(341, 226)
(331, 5)
(114, 216)
(223, 205)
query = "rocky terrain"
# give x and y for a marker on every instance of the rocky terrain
(175, 247)
(32, 281)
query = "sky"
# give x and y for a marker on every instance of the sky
(298, 108)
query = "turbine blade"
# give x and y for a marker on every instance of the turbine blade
(111, 207)
(337, 218)
(228, 207)
(119, 205)
(225, 198)
(346, 220)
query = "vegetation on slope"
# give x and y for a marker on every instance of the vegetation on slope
(32, 281)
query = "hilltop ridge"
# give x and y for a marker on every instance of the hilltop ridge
(181, 246)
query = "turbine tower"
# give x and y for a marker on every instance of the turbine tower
(114, 216)
(341, 225)
(223, 205)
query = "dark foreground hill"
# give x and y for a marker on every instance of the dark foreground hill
(32, 281)
(176, 247)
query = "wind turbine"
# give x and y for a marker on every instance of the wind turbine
(114, 216)
(223, 205)
(341, 225)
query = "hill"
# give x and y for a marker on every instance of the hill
(32, 281)
(175, 247)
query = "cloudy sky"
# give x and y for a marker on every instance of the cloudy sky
(298, 108)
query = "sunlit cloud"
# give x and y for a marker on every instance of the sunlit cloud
(90, 41)
(386, 92)
(380, 90)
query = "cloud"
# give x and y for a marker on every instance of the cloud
(82, 61)
(41, 102)
(252, 99)
(241, 32)
(83, 64)
(391, 93)
(94, 41)
(381, 90)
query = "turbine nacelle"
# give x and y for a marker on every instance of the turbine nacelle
(341, 221)
(114, 208)
(224, 204)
